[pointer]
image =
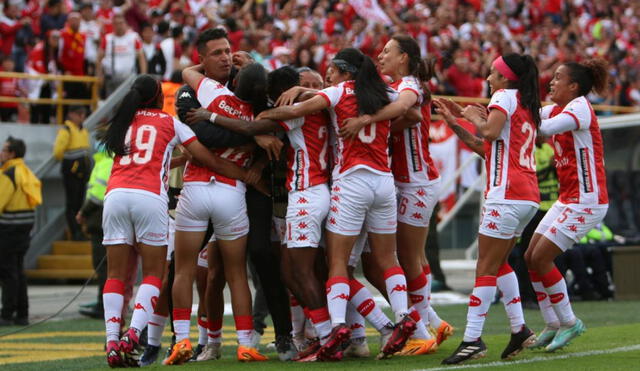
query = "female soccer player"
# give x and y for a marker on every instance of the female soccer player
(362, 189)
(511, 195)
(142, 138)
(583, 200)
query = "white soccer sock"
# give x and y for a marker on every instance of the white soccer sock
(156, 326)
(556, 288)
(508, 284)
(479, 303)
(321, 322)
(356, 322)
(337, 298)
(548, 314)
(396, 285)
(419, 296)
(433, 319)
(297, 317)
(202, 330)
(362, 300)
(113, 298)
(146, 299)
(421, 329)
(214, 332)
(244, 329)
(181, 323)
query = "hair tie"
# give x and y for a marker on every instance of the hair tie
(504, 69)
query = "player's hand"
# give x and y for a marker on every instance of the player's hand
(80, 218)
(475, 113)
(443, 109)
(352, 126)
(453, 107)
(197, 114)
(241, 58)
(289, 97)
(271, 145)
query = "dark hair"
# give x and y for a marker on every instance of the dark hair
(251, 86)
(17, 146)
(52, 3)
(163, 27)
(176, 32)
(298, 62)
(77, 109)
(176, 77)
(370, 90)
(422, 69)
(589, 75)
(208, 35)
(143, 94)
(281, 80)
(525, 68)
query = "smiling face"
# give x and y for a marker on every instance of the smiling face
(217, 60)
(496, 80)
(335, 76)
(391, 59)
(561, 89)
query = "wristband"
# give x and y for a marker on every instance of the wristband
(212, 118)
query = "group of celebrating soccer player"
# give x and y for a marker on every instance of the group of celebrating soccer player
(361, 187)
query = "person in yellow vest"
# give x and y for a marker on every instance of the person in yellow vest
(90, 216)
(20, 193)
(72, 148)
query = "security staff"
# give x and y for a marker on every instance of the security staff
(72, 148)
(20, 193)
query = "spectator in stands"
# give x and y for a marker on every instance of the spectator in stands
(304, 58)
(135, 14)
(72, 55)
(91, 29)
(90, 216)
(118, 54)
(281, 57)
(43, 59)
(10, 25)
(9, 88)
(72, 148)
(20, 193)
(53, 18)
(172, 50)
(156, 64)
(104, 16)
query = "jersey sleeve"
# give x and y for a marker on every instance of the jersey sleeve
(332, 94)
(411, 84)
(557, 124)
(208, 90)
(580, 111)
(545, 112)
(392, 94)
(503, 101)
(183, 132)
(289, 125)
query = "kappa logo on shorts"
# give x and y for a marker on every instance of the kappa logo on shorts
(332, 221)
(302, 225)
(420, 204)
(113, 319)
(588, 211)
(474, 301)
(553, 230)
(421, 192)
(303, 212)
(417, 216)
(581, 219)
(541, 295)
(341, 296)
(573, 228)
(556, 298)
(492, 226)
(302, 200)
(399, 288)
(515, 300)
(302, 237)
(494, 213)
(334, 209)
(336, 189)
(336, 198)
(139, 306)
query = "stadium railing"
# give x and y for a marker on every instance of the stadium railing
(59, 102)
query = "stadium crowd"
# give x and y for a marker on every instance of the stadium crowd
(115, 37)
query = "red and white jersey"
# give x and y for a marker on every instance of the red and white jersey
(308, 154)
(370, 149)
(410, 159)
(579, 155)
(150, 139)
(509, 159)
(120, 53)
(217, 98)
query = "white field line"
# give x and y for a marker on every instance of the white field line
(627, 348)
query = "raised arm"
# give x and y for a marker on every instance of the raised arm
(476, 144)
(557, 124)
(307, 107)
(489, 127)
(236, 125)
(193, 75)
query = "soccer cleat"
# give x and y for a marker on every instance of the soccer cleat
(197, 352)
(150, 355)
(443, 332)
(545, 337)
(181, 353)
(247, 354)
(466, 351)
(130, 348)
(523, 339)
(357, 348)
(114, 359)
(565, 335)
(210, 352)
(312, 347)
(285, 348)
(339, 335)
(401, 333)
(416, 347)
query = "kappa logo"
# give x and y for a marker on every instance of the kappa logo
(515, 300)
(420, 204)
(399, 288)
(416, 298)
(334, 209)
(336, 189)
(492, 226)
(342, 296)
(474, 301)
(336, 198)
(421, 192)
(553, 230)
(113, 320)
(556, 298)
(494, 213)
(573, 228)
(302, 237)
(588, 211)
(541, 295)
(332, 221)
(581, 219)
(302, 200)
(139, 306)
(303, 212)
(302, 225)
(185, 94)
(417, 216)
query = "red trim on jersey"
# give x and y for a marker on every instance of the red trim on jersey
(200, 83)
(323, 95)
(188, 141)
(574, 118)
(493, 106)
(284, 126)
(411, 90)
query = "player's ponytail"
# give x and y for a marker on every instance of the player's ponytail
(370, 90)
(589, 75)
(526, 82)
(143, 94)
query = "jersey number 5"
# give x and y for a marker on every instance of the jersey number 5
(142, 152)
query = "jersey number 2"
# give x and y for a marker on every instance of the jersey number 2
(526, 159)
(143, 150)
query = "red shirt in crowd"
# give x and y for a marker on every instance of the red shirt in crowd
(72, 51)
